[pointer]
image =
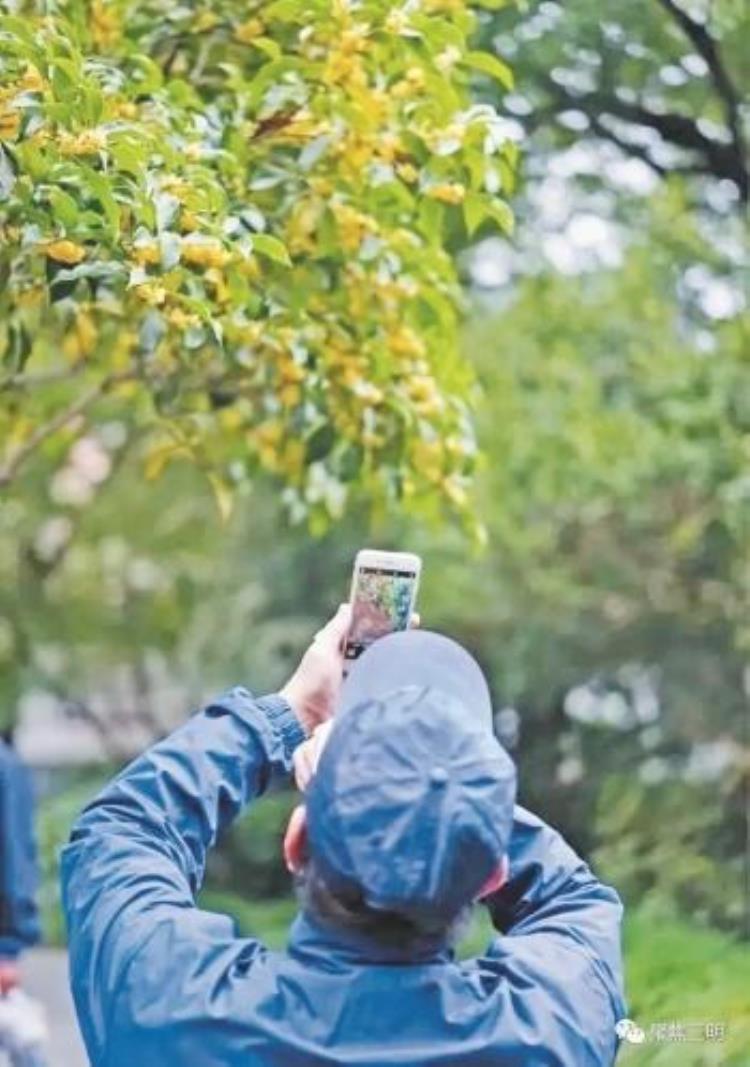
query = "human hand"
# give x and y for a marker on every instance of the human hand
(313, 689)
(10, 976)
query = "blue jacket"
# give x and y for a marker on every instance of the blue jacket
(19, 920)
(160, 983)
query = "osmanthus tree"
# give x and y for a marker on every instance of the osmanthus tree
(227, 222)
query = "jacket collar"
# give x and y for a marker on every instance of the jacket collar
(316, 939)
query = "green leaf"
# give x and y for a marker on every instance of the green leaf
(268, 47)
(64, 208)
(431, 213)
(491, 65)
(502, 214)
(475, 212)
(272, 248)
(320, 442)
(101, 188)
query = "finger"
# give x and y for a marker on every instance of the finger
(336, 629)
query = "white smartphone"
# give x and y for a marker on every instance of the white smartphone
(384, 592)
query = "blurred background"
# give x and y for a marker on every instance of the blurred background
(610, 606)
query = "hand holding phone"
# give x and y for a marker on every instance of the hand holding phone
(313, 689)
(384, 592)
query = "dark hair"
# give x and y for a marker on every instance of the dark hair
(350, 911)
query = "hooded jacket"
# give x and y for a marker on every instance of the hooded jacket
(158, 982)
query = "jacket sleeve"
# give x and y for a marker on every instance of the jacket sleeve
(136, 860)
(19, 918)
(561, 929)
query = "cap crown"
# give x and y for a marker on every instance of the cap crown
(411, 804)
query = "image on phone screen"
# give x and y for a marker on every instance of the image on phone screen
(382, 603)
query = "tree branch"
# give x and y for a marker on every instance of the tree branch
(722, 160)
(707, 47)
(15, 460)
(637, 151)
(31, 381)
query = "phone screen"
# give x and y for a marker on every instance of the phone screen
(382, 602)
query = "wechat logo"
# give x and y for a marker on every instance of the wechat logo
(627, 1030)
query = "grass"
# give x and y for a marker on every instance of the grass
(676, 973)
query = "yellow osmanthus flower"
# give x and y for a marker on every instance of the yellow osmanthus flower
(124, 109)
(407, 172)
(269, 433)
(353, 225)
(291, 372)
(81, 339)
(146, 254)
(388, 146)
(204, 254)
(247, 32)
(31, 80)
(446, 60)
(369, 394)
(345, 69)
(354, 39)
(374, 107)
(189, 221)
(322, 186)
(231, 418)
(181, 319)
(405, 342)
(205, 20)
(218, 283)
(447, 192)
(303, 224)
(356, 151)
(249, 267)
(411, 84)
(31, 297)
(87, 143)
(397, 21)
(422, 387)
(64, 251)
(106, 28)
(10, 123)
(456, 446)
(428, 458)
(151, 293)
(290, 395)
(293, 457)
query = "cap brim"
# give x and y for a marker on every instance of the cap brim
(421, 658)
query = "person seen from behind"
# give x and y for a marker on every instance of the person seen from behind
(408, 818)
(22, 1024)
